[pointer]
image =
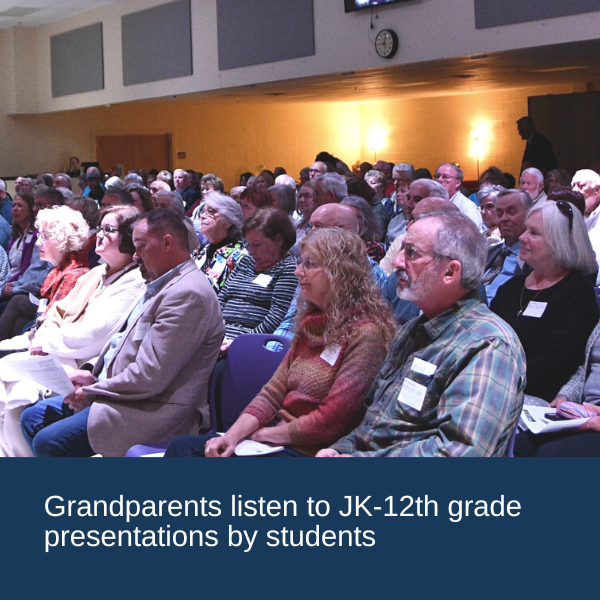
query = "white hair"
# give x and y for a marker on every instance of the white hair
(285, 180)
(533, 171)
(587, 175)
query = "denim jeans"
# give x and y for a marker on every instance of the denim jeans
(51, 428)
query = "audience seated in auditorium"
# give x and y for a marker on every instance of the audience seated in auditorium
(582, 388)
(556, 179)
(252, 199)
(142, 198)
(330, 187)
(182, 187)
(452, 384)
(5, 203)
(369, 226)
(451, 177)
(173, 202)
(62, 238)
(221, 223)
(27, 270)
(94, 188)
(343, 331)
(405, 310)
(307, 204)
(503, 260)
(150, 382)
(258, 292)
(377, 182)
(76, 328)
(532, 182)
(553, 309)
(486, 200)
(418, 189)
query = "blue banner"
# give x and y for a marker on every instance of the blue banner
(145, 528)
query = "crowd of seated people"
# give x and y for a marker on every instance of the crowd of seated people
(493, 291)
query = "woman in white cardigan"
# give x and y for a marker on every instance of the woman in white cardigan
(76, 328)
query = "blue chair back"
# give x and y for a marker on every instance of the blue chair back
(249, 365)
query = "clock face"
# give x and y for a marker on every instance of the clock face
(386, 43)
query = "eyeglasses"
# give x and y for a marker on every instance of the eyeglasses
(43, 236)
(411, 253)
(308, 264)
(107, 229)
(445, 177)
(209, 212)
(306, 196)
(567, 210)
(490, 207)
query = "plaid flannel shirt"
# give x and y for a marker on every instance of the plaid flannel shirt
(473, 400)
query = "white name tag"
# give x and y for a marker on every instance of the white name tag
(423, 367)
(535, 309)
(412, 394)
(263, 280)
(141, 329)
(29, 238)
(331, 353)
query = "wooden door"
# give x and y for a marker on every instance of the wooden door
(134, 152)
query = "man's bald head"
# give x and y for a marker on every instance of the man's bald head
(334, 215)
(429, 205)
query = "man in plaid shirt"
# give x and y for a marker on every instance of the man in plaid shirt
(452, 384)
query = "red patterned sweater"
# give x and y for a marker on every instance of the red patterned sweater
(322, 402)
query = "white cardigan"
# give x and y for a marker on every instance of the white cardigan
(106, 311)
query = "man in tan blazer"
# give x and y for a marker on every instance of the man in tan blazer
(150, 383)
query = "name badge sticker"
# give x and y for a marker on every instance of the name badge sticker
(29, 238)
(263, 280)
(423, 367)
(141, 329)
(412, 394)
(535, 309)
(331, 353)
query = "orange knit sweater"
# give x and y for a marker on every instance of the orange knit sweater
(322, 402)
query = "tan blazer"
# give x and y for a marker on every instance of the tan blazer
(158, 377)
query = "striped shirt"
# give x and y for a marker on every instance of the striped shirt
(472, 399)
(257, 302)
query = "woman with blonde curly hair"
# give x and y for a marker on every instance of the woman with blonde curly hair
(62, 238)
(343, 331)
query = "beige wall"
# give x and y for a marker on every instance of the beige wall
(429, 131)
(428, 30)
(229, 138)
(224, 138)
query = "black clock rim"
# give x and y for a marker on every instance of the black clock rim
(395, 43)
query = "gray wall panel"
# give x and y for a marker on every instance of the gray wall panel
(157, 43)
(76, 61)
(263, 31)
(494, 13)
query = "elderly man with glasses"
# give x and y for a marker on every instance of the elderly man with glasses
(452, 384)
(451, 177)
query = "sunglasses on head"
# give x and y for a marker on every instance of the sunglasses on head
(567, 210)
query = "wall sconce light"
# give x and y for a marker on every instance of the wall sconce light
(477, 135)
(376, 141)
